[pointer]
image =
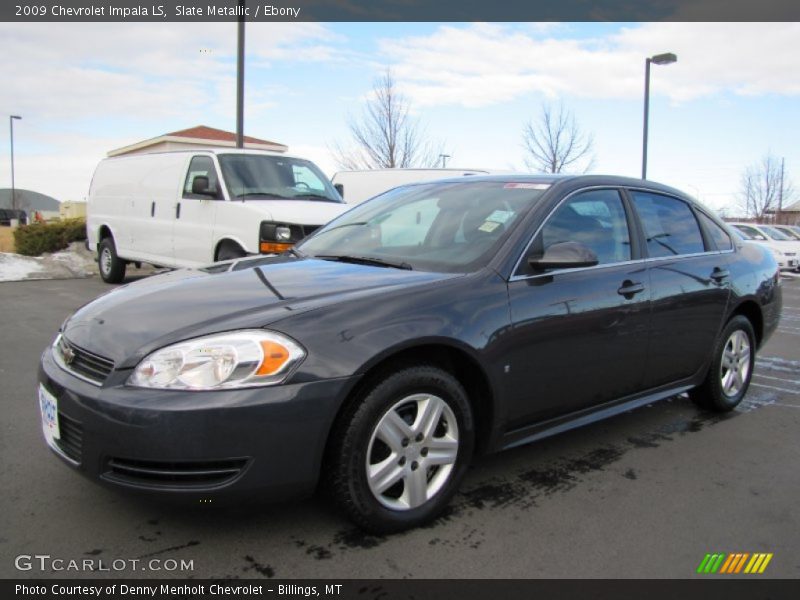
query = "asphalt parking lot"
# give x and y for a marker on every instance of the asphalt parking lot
(645, 494)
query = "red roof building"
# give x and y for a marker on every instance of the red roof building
(200, 136)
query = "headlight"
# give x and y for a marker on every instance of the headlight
(221, 361)
(776, 253)
(274, 238)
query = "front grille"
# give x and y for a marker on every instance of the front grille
(71, 440)
(309, 229)
(91, 366)
(183, 474)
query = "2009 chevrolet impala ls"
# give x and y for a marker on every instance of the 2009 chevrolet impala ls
(433, 322)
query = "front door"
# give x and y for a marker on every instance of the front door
(195, 215)
(579, 336)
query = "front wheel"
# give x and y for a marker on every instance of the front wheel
(397, 460)
(230, 251)
(731, 368)
(112, 267)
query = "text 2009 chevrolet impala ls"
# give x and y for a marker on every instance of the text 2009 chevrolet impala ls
(430, 323)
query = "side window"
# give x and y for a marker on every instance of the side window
(595, 219)
(721, 239)
(202, 166)
(669, 225)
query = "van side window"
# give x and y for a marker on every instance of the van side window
(721, 239)
(669, 225)
(202, 166)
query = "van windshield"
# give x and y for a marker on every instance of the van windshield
(261, 177)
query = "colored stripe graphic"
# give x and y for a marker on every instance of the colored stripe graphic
(727, 564)
(734, 563)
(741, 562)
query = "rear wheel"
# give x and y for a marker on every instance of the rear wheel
(398, 458)
(112, 267)
(731, 368)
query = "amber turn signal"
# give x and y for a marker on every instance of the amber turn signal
(273, 248)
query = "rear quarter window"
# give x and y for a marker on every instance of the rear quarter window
(719, 236)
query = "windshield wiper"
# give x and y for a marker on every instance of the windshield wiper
(320, 196)
(295, 252)
(366, 260)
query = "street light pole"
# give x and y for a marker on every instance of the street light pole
(11, 119)
(444, 158)
(658, 59)
(240, 79)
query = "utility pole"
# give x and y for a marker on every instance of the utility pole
(240, 79)
(780, 193)
(11, 120)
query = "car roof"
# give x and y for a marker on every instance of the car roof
(553, 179)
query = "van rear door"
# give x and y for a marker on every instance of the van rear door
(196, 213)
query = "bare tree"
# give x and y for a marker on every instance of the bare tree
(386, 135)
(764, 187)
(555, 142)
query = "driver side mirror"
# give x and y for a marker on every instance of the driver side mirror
(565, 255)
(200, 187)
(339, 188)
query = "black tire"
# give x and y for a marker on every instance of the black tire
(711, 394)
(112, 267)
(230, 251)
(351, 439)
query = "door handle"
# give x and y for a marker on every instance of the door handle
(178, 210)
(719, 274)
(630, 288)
(153, 208)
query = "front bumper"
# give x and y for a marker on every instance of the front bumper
(258, 442)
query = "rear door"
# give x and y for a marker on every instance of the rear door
(579, 336)
(195, 215)
(690, 286)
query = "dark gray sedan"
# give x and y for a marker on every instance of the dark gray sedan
(433, 322)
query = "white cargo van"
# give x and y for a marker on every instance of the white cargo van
(357, 186)
(190, 208)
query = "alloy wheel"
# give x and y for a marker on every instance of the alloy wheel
(412, 452)
(735, 365)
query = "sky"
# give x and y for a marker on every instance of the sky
(83, 89)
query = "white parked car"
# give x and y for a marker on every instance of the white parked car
(190, 208)
(357, 186)
(791, 231)
(786, 251)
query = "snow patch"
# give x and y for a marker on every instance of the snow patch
(14, 267)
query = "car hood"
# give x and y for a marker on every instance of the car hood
(133, 320)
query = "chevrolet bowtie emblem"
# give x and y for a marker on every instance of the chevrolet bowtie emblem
(68, 354)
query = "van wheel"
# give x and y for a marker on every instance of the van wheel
(230, 251)
(731, 368)
(397, 459)
(112, 267)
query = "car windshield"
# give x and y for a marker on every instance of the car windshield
(443, 227)
(775, 234)
(791, 231)
(264, 177)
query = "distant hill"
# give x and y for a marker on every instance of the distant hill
(28, 200)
